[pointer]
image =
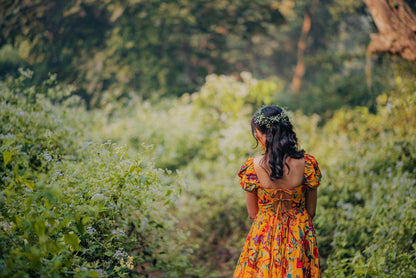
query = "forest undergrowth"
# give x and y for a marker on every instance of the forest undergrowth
(138, 189)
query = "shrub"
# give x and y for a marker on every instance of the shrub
(75, 207)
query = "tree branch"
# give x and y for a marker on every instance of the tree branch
(396, 24)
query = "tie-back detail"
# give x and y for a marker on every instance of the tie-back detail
(281, 201)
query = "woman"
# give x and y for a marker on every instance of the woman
(281, 194)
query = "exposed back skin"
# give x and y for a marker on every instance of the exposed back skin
(291, 178)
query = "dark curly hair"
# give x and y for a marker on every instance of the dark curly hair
(281, 140)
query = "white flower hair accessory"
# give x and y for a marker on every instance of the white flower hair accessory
(262, 120)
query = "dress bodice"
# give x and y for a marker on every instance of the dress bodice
(280, 200)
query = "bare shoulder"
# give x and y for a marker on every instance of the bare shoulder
(258, 160)
(296, 163)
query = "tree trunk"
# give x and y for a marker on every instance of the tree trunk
(300, 66)
(396, 24)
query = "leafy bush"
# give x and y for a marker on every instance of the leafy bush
(75, 207)
(366, 219)
(365, 214)
(70, 203)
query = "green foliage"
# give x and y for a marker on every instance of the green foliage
(372, 186)
(365, 216)
(192, 127)
(75, 207)
(153, 48)
(206, 137)
(10, 60)
(111, 47)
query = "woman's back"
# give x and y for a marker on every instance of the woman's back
(281, 199)
(292, 175)
(282, 239)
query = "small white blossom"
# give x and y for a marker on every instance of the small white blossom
(7, 136)
(5, 225)
(120, 254)
(118, 233)
(91, 230)
(47, 157)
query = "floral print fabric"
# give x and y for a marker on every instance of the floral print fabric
(281, 241)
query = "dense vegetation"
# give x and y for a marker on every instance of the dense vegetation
(72, 206)
(81, 195)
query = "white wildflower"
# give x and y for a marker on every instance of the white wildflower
(5, 225)
(91, 230)
(47, 157)
(118, 233)
(120, 254)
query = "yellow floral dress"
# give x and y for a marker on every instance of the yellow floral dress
(281, 241)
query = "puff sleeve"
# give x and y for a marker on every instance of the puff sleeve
(312, 176)
(249, 181)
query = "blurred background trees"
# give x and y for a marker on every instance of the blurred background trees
(152, 47)
(109, 49)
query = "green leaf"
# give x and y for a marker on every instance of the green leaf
(85, 220)
(29, 184)
(7, 157)
(72, 240)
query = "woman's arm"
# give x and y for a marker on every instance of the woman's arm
(252, 206)
(311, 199)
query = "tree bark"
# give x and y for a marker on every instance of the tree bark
(396, 24)
(300, 66)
